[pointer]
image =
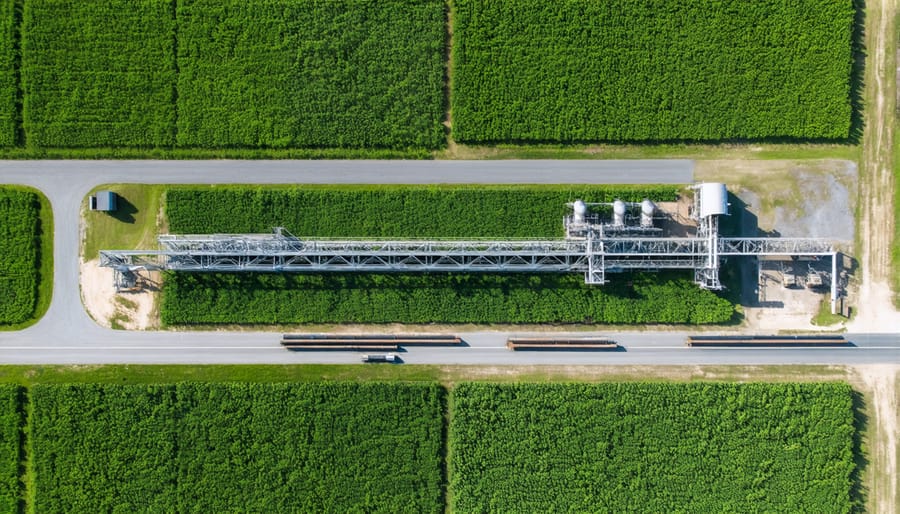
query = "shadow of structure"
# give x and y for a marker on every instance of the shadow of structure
(739, 274)
(858, 491)
(125, 210)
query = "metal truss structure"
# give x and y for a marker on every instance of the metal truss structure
(593, 257)
(590, 247)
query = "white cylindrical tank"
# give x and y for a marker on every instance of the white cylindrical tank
(619, 213)
(713, 199)
(580, 209)
(648, 208)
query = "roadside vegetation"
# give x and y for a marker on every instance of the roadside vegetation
(134, 224)
(755, 151)
(824, 317)
(26, 266)
(651, 447)
(108, 437)
(447, 375)
(212, 153)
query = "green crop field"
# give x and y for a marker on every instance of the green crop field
(8, 87)
(10, 443)
(103, 448)
(651, 70)
(315, 448)
(98, 74)
(415, 211)
(331, 439)
(651, 448)
(191, 447)
(276, 73)
(221, 298)
(355, 78)
(19, 255)
(389, 211)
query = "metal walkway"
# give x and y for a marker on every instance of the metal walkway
(592, 246)
(273, 253)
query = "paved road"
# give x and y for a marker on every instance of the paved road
(483, 348)
(65, 175)
(67, 335)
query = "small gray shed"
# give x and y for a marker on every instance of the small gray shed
(103, 201)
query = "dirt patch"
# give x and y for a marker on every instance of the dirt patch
(128, 310)
(824, 210)
(678, 373)
(794, 314)
(876, 313)
(808, 198)
(876, 221)
(881, 384)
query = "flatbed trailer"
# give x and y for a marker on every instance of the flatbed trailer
(546, 343)
(343, 347)
(768, 341)
(363, 340)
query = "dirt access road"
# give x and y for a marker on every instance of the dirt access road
(876, 227)
(876, 223)
(880, 384)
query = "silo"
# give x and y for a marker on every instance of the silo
(618, 213)
(648, 208)
(580, 209)
(713, 199)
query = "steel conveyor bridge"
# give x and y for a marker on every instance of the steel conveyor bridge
(592, 246)
(591, 256)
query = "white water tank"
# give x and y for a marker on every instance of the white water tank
(619, 213)
(580, 209)
(713, 199)
(648, 208)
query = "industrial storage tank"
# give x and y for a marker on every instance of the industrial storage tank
(580, 209)
(619, 213)
(713, 199)
(648, 208)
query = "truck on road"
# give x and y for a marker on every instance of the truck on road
(379, 357)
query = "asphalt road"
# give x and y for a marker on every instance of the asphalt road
(482, 348)
(64, 176)
(66, 335)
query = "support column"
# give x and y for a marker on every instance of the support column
(835, 278)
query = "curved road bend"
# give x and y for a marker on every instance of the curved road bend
(67, 335)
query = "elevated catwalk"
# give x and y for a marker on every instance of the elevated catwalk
(593, 246)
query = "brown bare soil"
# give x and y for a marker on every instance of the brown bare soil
(876, 223)
(876, 227)
(879, 383)
(130, 310)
